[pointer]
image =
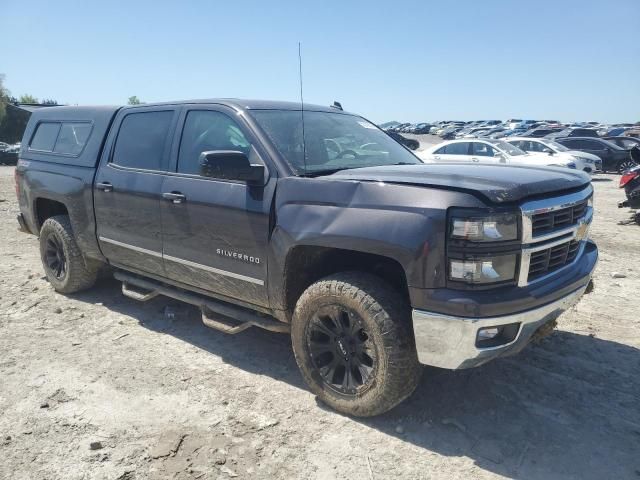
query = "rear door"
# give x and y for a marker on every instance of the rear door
(215, 237)
(127, 188)
(454, 152)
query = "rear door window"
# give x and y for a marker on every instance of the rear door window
(461, 148)
(142, 139)
(45, 137)
(592, 145)
(570, 143)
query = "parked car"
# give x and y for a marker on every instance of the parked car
(612, 131)
(238, 216)
(407, 142)
(471, 132)
(539, 132)
(490, 151)
(4, 146)
(630, 181)
(574, 132)
(633, 132)
(450, 132)
(624, 142)
(584, 161)
(422, 128)
(614, 158)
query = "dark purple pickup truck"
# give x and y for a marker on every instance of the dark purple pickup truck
(311, 222)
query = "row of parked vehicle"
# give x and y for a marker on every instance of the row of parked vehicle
(449, 130)
(531, 142)
(9, 153)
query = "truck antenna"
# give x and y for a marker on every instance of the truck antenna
(304, 147)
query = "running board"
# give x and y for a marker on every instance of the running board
(221, 316)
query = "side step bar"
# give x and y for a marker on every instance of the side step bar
(221, 316)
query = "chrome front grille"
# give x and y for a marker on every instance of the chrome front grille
(546, 222)
(554, 231)
(551, 259)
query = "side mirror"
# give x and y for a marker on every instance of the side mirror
(549, 151)
(230, 165)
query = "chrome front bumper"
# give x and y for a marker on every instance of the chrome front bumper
(450, 342)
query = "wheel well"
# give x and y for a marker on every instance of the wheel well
(46, 208)
(307, 264)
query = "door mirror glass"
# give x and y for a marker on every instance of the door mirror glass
(230, 165)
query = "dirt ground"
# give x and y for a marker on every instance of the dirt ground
(96, 385)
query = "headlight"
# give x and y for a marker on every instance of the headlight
(483, 270)
(488, 228)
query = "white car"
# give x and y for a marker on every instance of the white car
(587, 162)
(489, 151)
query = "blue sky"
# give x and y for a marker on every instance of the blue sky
(408, 60)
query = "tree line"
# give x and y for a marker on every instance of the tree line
(14, 120)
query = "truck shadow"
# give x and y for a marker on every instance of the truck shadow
(565, 408)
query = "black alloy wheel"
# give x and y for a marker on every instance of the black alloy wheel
(625, 165)
(55, 258)
(341, 350)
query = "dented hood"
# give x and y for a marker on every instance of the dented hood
(497, 183)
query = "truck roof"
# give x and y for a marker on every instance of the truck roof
(246, 104)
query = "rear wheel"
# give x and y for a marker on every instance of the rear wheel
(353, 343)
(63, 263)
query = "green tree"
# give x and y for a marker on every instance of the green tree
(4, 97)
(134, 101)
(26, 98)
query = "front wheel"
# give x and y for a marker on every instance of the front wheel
(353, 342)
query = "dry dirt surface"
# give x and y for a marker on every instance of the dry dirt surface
(96, 385)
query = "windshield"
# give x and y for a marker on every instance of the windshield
(511, 150)
(333, 141)
(558, 146)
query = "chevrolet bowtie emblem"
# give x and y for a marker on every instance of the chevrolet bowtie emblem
(583, 229)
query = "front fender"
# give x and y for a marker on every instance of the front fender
(405, 223)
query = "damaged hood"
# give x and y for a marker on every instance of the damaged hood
(497, 183)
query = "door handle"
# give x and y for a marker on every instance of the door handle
(174, 197)
(436, 157)
(474, 159)
(104, 186)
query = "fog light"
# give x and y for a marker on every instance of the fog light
(497, 336)
(488, 333)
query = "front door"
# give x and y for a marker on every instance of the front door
(127, 188)
(484, 153)
(216, 232)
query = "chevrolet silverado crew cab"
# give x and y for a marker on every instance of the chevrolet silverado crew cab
(313, 222)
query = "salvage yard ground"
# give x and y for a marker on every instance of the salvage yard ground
(96, 385)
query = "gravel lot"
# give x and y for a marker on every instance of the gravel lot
(96, 386)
